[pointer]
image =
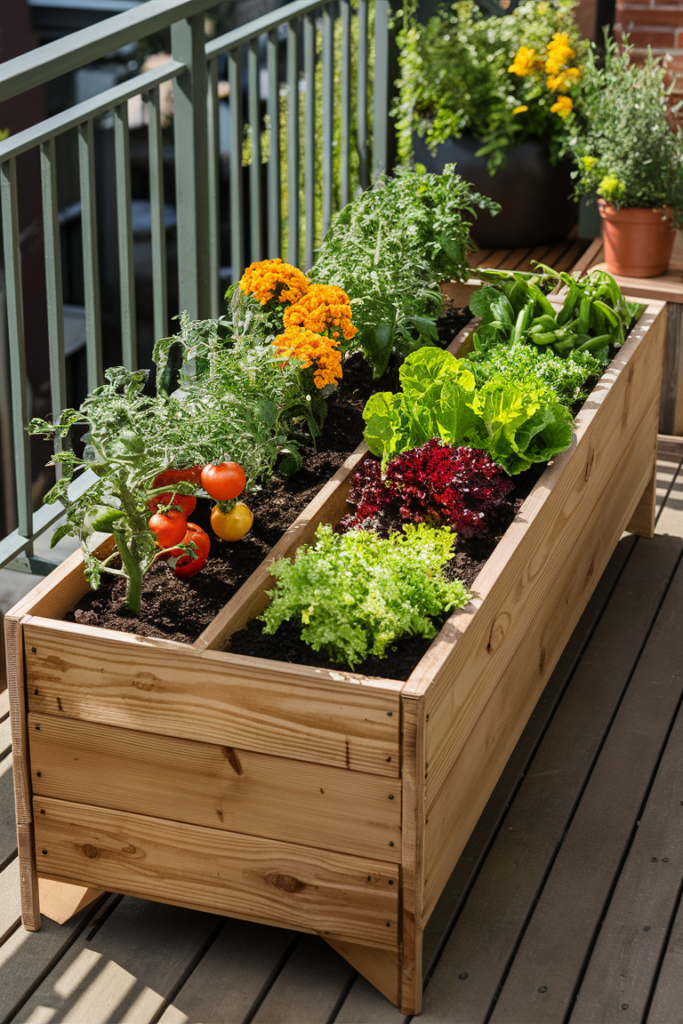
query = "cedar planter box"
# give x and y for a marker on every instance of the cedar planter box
(323, 801)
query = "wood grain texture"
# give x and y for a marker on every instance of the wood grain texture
(216, 786)
(624, 963)
(465, 662)
(589, 258)
(327, 717)
(329, 505)
(258, 879)
(60, 901)
(454, 809)
(379, 966)
(642, 521)
(671, 413)
(413, 770)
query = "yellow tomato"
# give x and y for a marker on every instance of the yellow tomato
(231, 525)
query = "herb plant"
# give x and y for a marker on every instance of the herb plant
(435, 483)
(518, 423)
(503, 80)
(357, 594)
(390, 248)
(571, 377)
(628, 149)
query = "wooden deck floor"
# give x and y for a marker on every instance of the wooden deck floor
(565, 906)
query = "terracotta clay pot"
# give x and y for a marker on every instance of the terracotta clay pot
(638, 241)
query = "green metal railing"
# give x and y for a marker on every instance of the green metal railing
(194, 72)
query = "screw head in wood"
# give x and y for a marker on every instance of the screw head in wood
(44, 853)
(391, 843)
(33, 650)
(39, 774)
(37, 728)
(391, 796)
(35, 691)
(390, 714)
(388, 759)
(42, 811)
(391, 881)
(388, 924)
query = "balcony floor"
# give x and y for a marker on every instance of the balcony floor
(565, 905)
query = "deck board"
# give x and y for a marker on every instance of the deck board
(599, 754)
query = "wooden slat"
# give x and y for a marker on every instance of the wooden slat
(452, 813)
(379, 966)
(669, 445)
(565, 921)
(492, 920)
(413, 770)
(229, 981)
(162, 687)
(308, 988)
(568, 259)
(124, 970)
(216, 786)
(250, 600)
(206, 869)
(625, 961)
(536, 255)
(459, 686)
(642, 522)
(667, 999)
(591, 256)
(671, 416)
(665, 288)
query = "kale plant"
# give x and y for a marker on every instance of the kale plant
(570, 377)
(357, 594)
(390, 248)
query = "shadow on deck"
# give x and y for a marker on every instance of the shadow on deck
(565, 905)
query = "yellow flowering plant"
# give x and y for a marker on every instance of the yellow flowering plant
(501, 79)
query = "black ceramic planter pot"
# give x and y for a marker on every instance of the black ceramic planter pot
(533, 194)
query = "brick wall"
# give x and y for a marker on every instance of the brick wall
(655, 23)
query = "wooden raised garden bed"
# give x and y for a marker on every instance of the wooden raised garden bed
(324, 801)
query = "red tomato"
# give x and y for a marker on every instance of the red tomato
(170, 528)
(223, 482)
(186, 564)
(187, 502)
(174, 476)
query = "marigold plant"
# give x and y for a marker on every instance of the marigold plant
(312, 349)
(323, 309)
(270, 279)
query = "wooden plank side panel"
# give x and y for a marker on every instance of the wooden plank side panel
(671, 415)
(252, 597)
(216, 786)
(262, 880)
(463, 666)
(412, 872)
(454, 810)
(332, 718)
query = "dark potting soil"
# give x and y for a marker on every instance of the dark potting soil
(451, 323)
(285, 645)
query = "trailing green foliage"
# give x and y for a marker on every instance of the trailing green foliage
(517, 423)
(594, 315)
(568, 376)
(628, 149)
(390, 248)
(357, 594)
(455, 77)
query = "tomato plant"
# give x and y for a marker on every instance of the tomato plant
(231, 525)
(186, 503)
(169, 527)
(198, 544)
(223, 482)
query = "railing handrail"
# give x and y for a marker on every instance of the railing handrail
(17, 144)
(255, 28)
(36, 67)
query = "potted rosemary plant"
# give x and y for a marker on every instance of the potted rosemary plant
(630, 153)
(498, 97)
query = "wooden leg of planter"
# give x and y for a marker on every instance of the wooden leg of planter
(380, 966)
(61, 901)
(642, 521)
(30, 900)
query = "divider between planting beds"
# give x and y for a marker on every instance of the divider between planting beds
(322, 800)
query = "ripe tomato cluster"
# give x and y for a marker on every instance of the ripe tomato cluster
(222, 483)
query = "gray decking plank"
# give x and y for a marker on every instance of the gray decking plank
(10, 903)
(624, 963)
(26, 956)
(667, 471)
(309, 987)
(670, 519)
(8, 832)
(667, 1002)
(494, 916)
(129, 968)
(365, 1004)
(547, 967)
(233, 977)
(5, 738)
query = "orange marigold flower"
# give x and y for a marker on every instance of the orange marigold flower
(524, 62)
(559, 52)
(562, 106)
(323, 307)
(273, 278)
(312, 349)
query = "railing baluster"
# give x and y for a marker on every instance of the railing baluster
(214, 187)
(345, 141)
(17, 355)
(129, 354)
(293, 139)
(385, 73)
(158, 216)
(91, 273)
(255, 197)
(362, 95)
(328, 112)
(236, 191)
(309, 139)
(53, 281)
(274, 233)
